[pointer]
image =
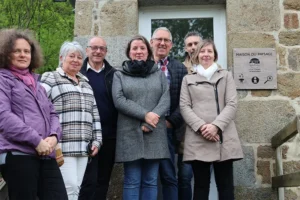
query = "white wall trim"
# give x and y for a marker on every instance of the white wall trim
(217, 12)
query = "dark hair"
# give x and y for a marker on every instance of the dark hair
(145, 41)
(192, 33)
(204, 43)
(8, 38)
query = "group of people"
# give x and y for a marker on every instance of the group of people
(140, 115)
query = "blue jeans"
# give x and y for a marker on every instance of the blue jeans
(140, 180)
(185, 175)
(167, 172)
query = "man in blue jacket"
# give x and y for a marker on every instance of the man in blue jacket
(100, 74)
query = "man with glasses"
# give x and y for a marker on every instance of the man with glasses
(191, 41)
(100, 74)
(174, 71)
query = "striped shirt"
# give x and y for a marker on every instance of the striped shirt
(77, 109)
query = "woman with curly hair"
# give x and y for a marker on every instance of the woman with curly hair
(29, 125)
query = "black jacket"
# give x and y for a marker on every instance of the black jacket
(177, 71)
(109, 129)
(109, 74)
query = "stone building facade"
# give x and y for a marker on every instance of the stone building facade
(261, 113)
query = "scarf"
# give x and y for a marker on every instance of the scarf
(207, 73)
(138, 68)
(25, 76)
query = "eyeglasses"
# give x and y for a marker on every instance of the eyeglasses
(95, 48)
(167, 41)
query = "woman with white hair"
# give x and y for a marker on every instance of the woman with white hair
(74, 101)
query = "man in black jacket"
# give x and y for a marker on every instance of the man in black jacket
(161, 43)
(100, 74)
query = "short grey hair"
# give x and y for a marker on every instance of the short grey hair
(67, 47)
(163, 29)
(193, 33)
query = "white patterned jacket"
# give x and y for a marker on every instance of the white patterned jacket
(78, 114)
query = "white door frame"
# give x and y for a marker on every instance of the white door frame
(218, 13)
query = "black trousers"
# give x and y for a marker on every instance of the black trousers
(223, 176)
(28, 177)
(97, 174)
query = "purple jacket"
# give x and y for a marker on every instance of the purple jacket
(25, 118)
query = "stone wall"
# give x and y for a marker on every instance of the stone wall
(116, 21)
(262, 113)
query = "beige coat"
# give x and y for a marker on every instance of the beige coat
(198, 106)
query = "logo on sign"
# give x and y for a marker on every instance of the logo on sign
(254, 62)
(254, 65)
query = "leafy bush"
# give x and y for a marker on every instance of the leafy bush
(52, 23)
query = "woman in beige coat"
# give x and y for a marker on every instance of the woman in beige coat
(208, 104)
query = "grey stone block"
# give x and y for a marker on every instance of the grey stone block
(116, 49)
(294, 59)
(242, 193)
(244, 170)
(289, 84)
(83, 40)
(289, 38)
(242, 94)
(83, 17)
(118, 18)
(253, 15)
(291, 4)
(259, 121)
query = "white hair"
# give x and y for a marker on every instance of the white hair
(163, 29)
(67, 47)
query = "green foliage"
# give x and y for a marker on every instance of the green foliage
(180, 27)
(51, 22)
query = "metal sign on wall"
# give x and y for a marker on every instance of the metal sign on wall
(255, 68)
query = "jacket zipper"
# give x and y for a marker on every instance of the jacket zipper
(106, 84)
(218, 108)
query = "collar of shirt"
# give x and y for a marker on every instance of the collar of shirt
(97, 71)
(159, 63)
(63, 73)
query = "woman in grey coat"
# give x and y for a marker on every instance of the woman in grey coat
(141, 95)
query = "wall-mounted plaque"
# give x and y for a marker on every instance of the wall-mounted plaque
(255, 68)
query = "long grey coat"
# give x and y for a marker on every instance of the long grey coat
(134, 97)
(198, 107)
